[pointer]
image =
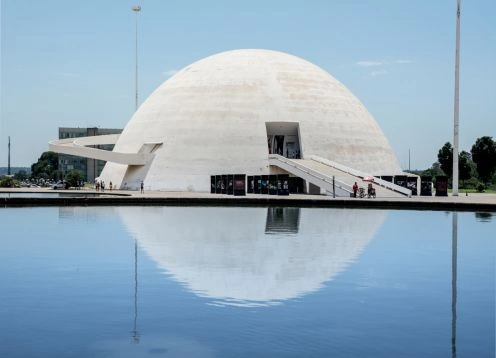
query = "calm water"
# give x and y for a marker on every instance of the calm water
(246, 282)
(45, 195)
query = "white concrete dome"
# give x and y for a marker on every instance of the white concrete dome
(216, 115)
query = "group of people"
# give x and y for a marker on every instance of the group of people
(370, 191)
(79, 184)
(100, 185)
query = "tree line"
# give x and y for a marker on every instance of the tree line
(46, 169)
(476, 169)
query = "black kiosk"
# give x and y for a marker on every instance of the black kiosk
(218, 185)
(212, 184)
(426, 185)
(251, 184)
(411, 183)
(230, 184)
(283, 184)
(257, 179)
(272, 184)
(264, 184)
(441, 185)
(239, 184)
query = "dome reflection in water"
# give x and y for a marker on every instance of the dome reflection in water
(252, 257)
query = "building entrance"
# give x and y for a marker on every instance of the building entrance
(283, 138)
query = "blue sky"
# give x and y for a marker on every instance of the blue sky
(71, 63)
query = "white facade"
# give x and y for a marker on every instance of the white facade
(217, 115)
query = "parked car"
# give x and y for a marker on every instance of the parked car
(59, 185)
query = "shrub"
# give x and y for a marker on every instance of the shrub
(8, 182)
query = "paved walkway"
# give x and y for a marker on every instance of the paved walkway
(126, 197)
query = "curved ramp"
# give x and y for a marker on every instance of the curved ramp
(321, 174)
(80, 147)
(301, 169)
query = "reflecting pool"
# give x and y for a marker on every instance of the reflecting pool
(47, 195)
(246, 282)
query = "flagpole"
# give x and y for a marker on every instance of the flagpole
(8, 168)
(457, 98)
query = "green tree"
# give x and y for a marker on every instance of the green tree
(445, 158)
(434, 170)
(484, 156)
(73, 177)
(21, 175)
(464, 166)
(46, 167)
(7, 182)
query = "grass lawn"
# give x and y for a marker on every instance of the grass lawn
(486, 191)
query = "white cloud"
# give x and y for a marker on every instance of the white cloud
(170, 73)
(377, 73)
(383, 63)
(370, 63)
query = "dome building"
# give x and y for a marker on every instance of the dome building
(243, 112)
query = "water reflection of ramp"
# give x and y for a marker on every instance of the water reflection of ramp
(282, 220)
(224, 253)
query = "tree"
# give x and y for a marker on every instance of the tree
(445, 158)
(73, 178)
(7, 182)
(464, 167)
(46, 167)
(434, 170)
(21, 175)
(484, 156)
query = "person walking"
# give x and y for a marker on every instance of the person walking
(355, 189)
(142, 187)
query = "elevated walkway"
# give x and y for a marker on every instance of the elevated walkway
(320, 172)
(80, 147)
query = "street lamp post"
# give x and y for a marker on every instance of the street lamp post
(136, 336)
(457, 96)
(136, 9)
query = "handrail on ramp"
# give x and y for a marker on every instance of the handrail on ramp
(321, 180)
(357, 173)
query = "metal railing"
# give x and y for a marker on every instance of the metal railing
(322, 180)
(360, 174)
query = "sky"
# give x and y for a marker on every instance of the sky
(71, 63)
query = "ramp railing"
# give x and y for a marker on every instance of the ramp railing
(360, 174)
(315, 177)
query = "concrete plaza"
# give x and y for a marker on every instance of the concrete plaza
(87, 196)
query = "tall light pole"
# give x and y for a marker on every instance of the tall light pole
(409, 159)
(136, 9)
(8, 168)
(136, 336)
(457, 90)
